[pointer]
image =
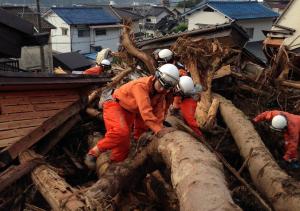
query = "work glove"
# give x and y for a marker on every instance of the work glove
(164, 131)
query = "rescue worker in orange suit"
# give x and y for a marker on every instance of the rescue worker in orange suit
(290, 125)
(99, 68)
(185, 101)
(146, 97)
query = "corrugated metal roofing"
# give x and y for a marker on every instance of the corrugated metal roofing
(85, 15)
(238, 10)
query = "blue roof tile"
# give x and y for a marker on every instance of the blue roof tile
(238, 10)
(85, 15)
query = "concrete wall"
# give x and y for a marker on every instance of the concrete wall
(60, 43)
(31, 60)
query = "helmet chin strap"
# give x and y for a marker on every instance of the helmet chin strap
(277, 129)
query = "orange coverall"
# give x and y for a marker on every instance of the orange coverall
(97, 70)
(133, 99)
(291, 135)
(188, 108)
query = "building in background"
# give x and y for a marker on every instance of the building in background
(253, 16)
(83, 29)
(30, 56)
(277, 5)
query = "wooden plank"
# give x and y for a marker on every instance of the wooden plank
(27, 115)
(8, 141)
(14, 133)
(37, 93)
(51, 106)
(15, 101)
(9, 109)
(8, 154)
(13, 173)
(59, 134)
(47, 99)
(21, 124)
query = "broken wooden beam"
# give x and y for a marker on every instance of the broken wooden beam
(13, 173)
(57, 192)
(8, 154)
(59, 134)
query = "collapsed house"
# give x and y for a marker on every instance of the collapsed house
(168, 173)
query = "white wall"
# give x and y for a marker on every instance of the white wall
(258, 25)
(83, 44)
(215, 18)
(202, 17)
(60, 43)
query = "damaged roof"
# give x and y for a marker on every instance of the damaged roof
(238, 10)
(29, 15)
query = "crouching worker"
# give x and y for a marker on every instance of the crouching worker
(185, 101)
(146, 97)
(99, 68)
(289, 124)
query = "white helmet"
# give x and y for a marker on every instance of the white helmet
(279, 122)
(168, 75)
(186, 85)
(105, 62)
(165, 54)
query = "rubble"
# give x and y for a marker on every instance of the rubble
(177, 171)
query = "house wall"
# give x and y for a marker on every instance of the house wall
(258, 25)
(31, 60)
(202, 17)
(59, 42)
(83, 44)
(215, 18)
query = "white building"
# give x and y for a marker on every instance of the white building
(253, 16)
(83, 29)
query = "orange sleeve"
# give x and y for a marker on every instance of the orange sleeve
(267, 115)
(146, 111)
(93, 71)
(182, 72)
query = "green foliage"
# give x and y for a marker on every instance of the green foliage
(180, 27)
(188, 3)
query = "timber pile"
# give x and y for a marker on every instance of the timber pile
(233, 167)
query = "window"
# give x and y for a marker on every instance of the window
(83, 32)
(64, 31)
(148, 19)
(100, 32)
(250, 32)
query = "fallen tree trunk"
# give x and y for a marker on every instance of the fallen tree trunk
(57, 192)
(280, 189)
(197, 175)
(129, 45)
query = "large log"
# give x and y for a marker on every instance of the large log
(58, 193)
(196, 174)
(279, 188)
